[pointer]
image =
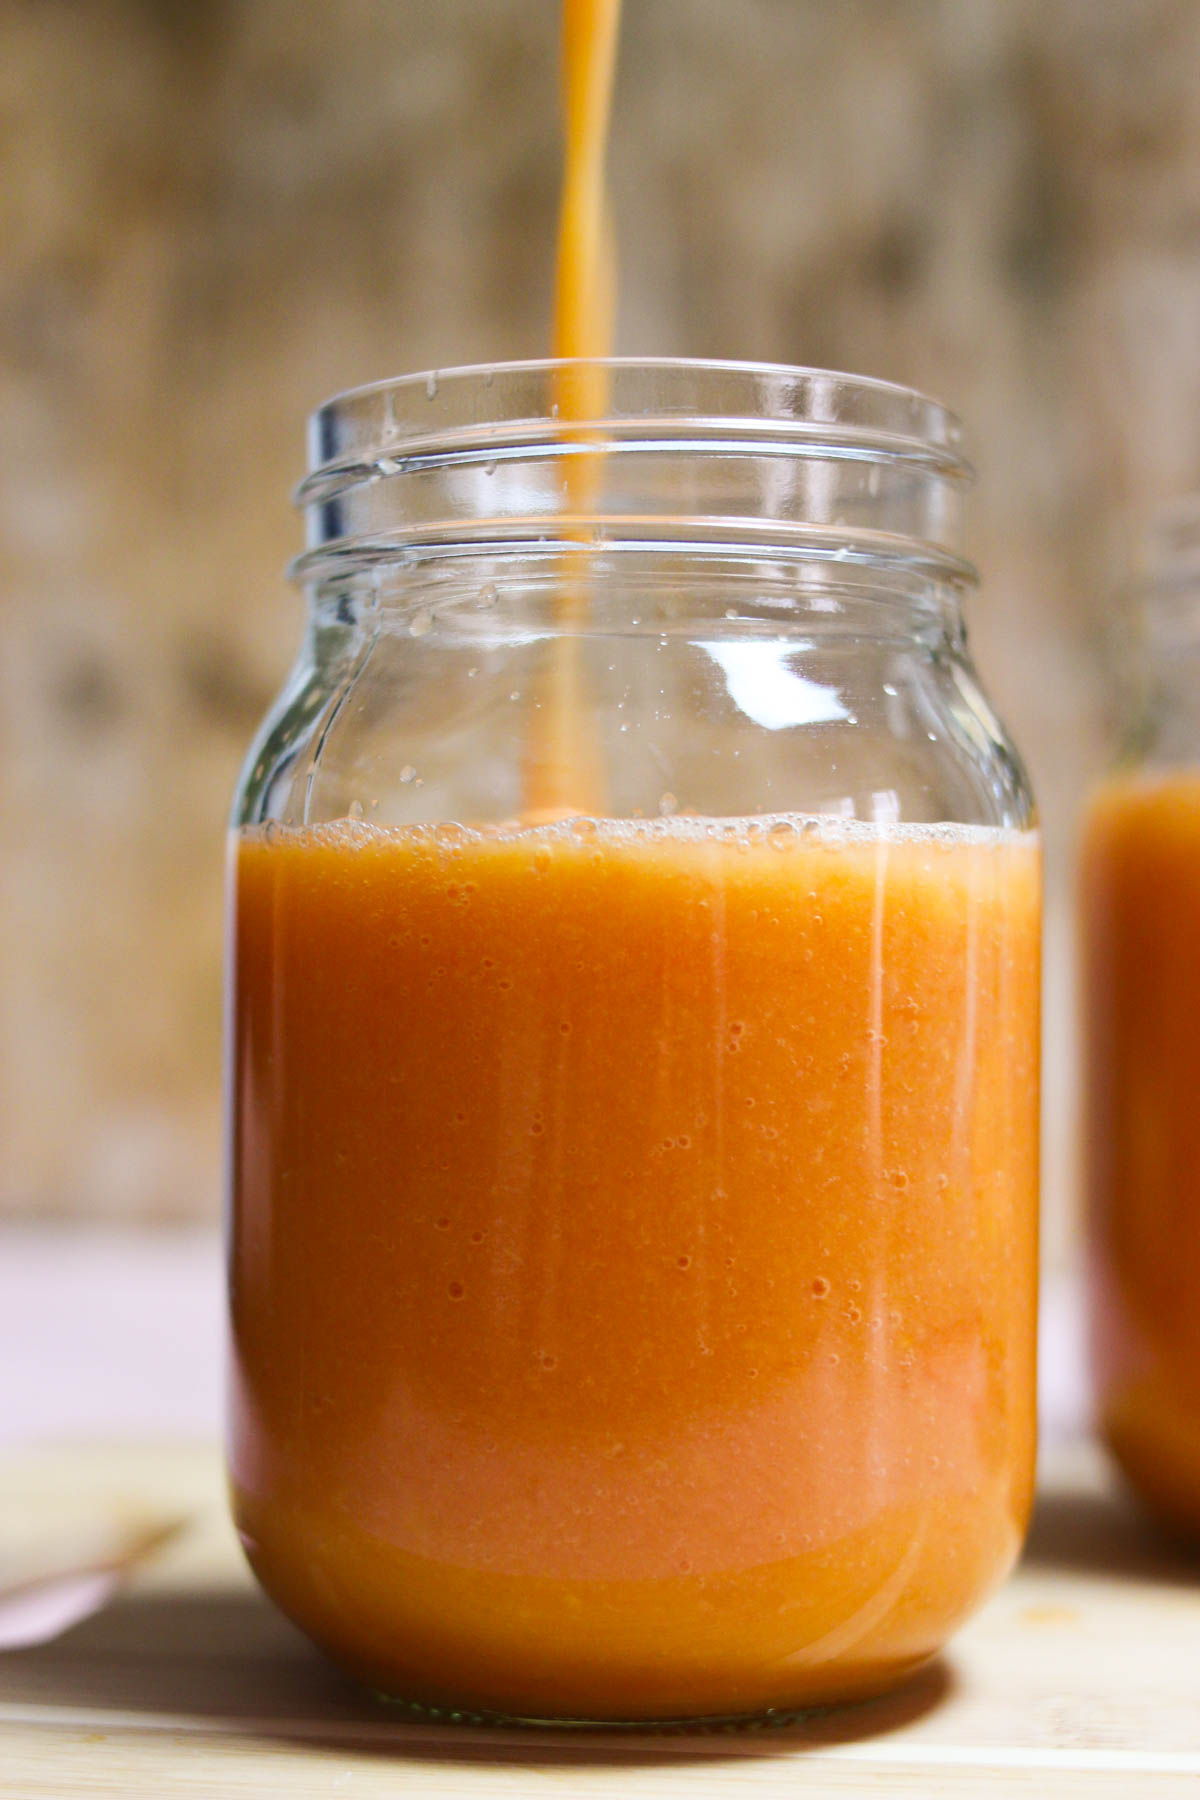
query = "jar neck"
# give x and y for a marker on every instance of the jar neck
(597, 592)
(1156, 643)
(823, 488)
(1158, 687)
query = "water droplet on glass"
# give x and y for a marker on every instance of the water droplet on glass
(667, 804)
(408, 773)
(431, 386)
(355, 809)
(388, 465)
(488, 595)
(421, 622)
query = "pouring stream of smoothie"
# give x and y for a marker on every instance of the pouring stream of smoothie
(563, 774)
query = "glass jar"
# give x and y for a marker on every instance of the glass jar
(1139, 893)
(634, 998)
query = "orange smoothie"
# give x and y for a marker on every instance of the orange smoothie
(563, 772)
(585, 279)
(633, 1247)
(1140, 899)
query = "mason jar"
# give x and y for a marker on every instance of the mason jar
(634, 1052)
(1139, 899)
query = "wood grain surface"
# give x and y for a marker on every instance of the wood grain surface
(1081, 1678)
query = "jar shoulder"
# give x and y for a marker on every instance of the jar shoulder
(446, 724)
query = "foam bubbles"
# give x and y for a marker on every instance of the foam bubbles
(780, 835)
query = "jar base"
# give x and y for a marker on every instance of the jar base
(770, 1718)
(1155, 1443)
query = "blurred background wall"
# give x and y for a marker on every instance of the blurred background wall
(213, 213)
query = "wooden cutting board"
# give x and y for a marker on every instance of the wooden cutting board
(1082, 1677)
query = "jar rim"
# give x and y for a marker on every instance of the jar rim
(896, 454)
(940, 426)
(417, 380)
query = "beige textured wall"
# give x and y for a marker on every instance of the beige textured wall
(215, 212)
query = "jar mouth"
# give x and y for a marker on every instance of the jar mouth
(698, 456)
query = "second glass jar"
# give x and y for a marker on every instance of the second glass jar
(634, 1000)
(1140, 989)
